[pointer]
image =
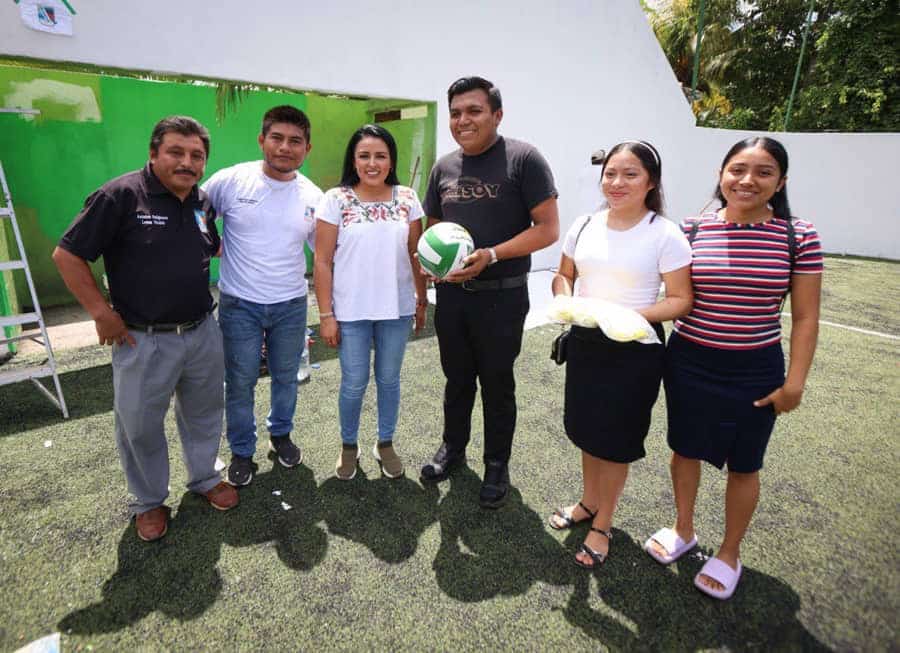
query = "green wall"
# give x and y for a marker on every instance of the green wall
(95, 126)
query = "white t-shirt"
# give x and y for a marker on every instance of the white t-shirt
(372, 273)
(625, 267)
(265, 223)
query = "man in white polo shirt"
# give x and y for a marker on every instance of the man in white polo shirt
(267, 209)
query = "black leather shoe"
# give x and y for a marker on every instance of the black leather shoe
(495, 487)
(444, 460)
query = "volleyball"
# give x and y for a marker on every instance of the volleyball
(443, 247)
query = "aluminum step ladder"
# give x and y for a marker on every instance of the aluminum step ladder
(48, 367)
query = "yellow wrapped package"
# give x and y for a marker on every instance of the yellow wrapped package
(617, 322)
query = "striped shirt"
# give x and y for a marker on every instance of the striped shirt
(740, 274)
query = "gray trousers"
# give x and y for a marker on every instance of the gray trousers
(145, 376)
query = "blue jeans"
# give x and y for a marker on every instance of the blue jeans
(357, 337)
(244, 325)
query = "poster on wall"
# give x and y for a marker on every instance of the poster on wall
(53, 16)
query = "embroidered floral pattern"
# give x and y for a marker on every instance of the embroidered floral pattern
(354, 211)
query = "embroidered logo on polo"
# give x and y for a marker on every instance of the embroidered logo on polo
(200, 217)
(309, 214)
(469, 189)
(149, 220)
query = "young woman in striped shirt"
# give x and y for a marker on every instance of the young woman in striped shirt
(724, 376)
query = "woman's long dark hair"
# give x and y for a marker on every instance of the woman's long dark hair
(650, 159)
(780, 206)
(349, 176)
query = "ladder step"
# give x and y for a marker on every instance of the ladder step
(22, 318)
(34, 337)
(25, 373)
(13, 374)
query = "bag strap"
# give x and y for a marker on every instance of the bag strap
(695, 225)
(792, 254)
(792, 242)
(577, 236)
(692, 234)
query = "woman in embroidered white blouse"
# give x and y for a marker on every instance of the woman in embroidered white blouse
(366, 286)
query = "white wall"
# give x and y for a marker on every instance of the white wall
(576, 76)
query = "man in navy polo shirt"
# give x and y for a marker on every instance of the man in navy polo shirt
(155, 230)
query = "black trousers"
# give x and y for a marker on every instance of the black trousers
(480, 336)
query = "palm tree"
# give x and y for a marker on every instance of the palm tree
(675, 24)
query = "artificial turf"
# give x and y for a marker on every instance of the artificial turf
(376, 564)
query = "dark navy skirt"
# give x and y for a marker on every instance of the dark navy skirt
(709, 400)
(610, 391)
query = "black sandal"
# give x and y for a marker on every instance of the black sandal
(597, 557)
(567, 519)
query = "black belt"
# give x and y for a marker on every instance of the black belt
(505, 283)
(178, 328)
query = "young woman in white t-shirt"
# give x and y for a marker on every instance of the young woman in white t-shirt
(619, 254)
(368, 294)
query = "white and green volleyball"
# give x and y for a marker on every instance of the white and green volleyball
(443, 247)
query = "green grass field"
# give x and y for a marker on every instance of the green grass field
(374, 564)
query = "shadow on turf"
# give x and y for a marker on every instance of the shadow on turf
(87, 391)
(488, 553)
(669, 613)
(485, 554)
(299, 542)
(178, 575)
(387, 516)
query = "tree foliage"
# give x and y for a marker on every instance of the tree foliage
(749, 53)
(854, 81)
(675, 25)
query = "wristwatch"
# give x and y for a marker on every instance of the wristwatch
(493, 253)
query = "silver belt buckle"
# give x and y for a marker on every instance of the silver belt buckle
(465, 286)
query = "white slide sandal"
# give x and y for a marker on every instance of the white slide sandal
(674, 545)
(721, 572)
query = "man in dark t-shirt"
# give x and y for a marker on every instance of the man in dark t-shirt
(502, 191)
(156, 233)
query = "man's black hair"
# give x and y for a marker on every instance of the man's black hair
(184, 125)
(286, 113)
(466, 84)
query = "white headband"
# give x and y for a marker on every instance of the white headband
(649, 147)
